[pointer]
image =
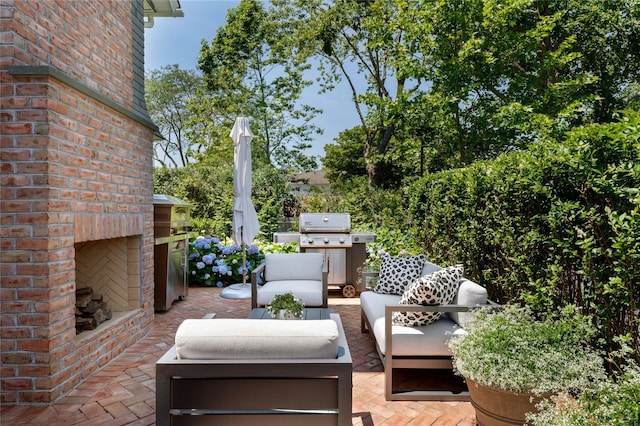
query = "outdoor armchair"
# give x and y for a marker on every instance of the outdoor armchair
(303, 274)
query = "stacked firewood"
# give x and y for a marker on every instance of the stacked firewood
(91, 310)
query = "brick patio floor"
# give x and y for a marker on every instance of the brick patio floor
(123, 392)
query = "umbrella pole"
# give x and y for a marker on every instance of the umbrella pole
(244, 258)
(244, 265)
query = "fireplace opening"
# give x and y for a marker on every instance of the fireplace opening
(112, 269)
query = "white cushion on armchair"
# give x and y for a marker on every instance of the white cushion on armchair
(299, 273)
(293, 266)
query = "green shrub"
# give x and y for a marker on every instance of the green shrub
(612, 402)
(549, 227)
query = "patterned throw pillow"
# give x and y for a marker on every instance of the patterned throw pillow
(437, 287)
(396, 273)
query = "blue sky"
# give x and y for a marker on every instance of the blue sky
(177, 41)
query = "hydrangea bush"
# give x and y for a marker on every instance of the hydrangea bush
(212, 263)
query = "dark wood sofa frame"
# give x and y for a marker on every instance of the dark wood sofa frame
(247, 392)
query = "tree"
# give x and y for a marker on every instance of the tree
(508, 73)
(356, 41)
(247, 71)
(168, 93)
(471, 79)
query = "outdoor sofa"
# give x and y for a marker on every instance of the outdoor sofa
(250, 371)
(417, 347)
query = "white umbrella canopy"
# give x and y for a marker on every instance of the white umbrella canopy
(245, 219)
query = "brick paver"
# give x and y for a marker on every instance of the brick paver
(123, 392)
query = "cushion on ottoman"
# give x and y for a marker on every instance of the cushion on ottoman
(256, 339)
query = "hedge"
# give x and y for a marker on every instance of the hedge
(556, 225)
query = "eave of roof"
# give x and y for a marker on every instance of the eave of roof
(161, 9)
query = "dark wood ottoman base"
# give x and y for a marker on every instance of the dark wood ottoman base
(266, 392)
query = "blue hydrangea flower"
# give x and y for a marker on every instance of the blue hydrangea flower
(252, 250)
(208, 258)
(219, 284)
(200, 265)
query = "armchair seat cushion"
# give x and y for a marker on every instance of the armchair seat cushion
(209, 339)
(309, 291)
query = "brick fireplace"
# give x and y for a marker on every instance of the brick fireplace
(76, 190)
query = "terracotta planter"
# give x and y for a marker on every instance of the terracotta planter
(496, 407)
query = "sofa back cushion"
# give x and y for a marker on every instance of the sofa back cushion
(429, 267)
(257, 339)
(293, 266)
(469, 294)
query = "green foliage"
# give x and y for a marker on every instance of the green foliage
(169, 92)
(612, 402)
(209, 188)
(466, 80)
(286, 302)
(270, 189)
(509, 72)
(513, 350)
(554, 226)
(247, 71)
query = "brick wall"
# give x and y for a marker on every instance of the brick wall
(76, 166)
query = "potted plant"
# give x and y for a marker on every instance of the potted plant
(512, 359)
(286, 306)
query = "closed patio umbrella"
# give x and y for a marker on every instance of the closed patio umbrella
(245, 219)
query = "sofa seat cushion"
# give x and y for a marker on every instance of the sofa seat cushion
(309, 291)
(427, 340)
(204, 339)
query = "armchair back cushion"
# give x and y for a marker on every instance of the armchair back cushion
(293, 266)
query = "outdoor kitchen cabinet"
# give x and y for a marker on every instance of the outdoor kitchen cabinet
(172, 225)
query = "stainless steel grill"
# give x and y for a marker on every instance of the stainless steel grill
(330, 234)
(325, 230)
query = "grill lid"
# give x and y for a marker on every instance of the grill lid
(325, 222)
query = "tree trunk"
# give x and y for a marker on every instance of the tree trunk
(376, 169)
